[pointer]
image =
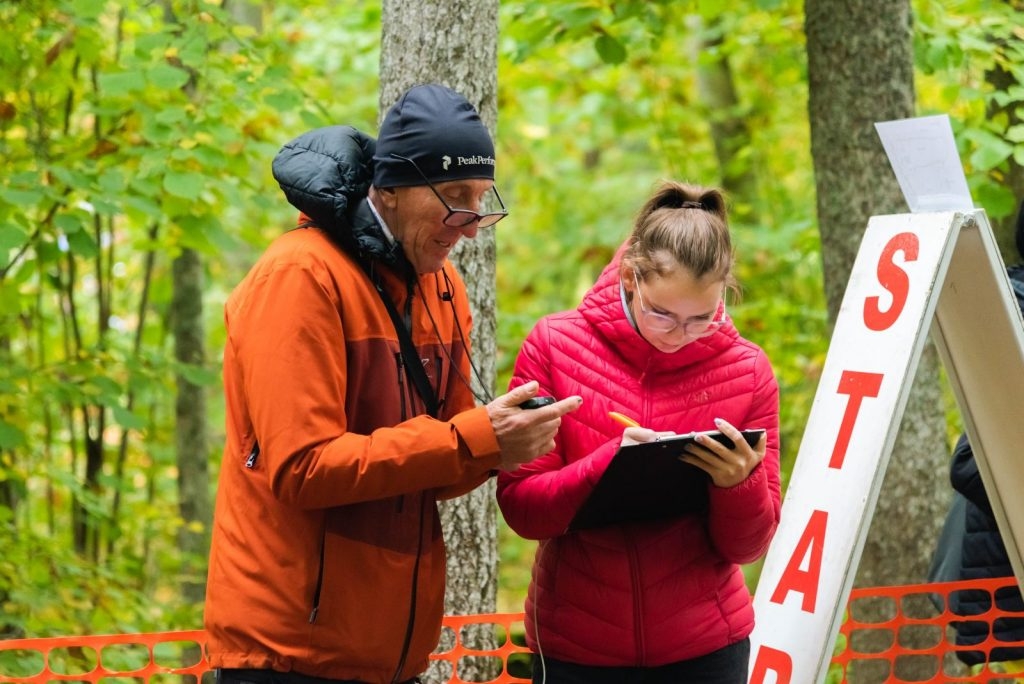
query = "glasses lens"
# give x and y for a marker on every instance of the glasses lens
(700, 328)
(703, 328)
(459, 218)
(488, 220)
(659, 322)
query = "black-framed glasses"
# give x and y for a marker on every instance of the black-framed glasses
(694, 328)
(460, 218)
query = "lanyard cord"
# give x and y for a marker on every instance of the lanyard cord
(411, 359)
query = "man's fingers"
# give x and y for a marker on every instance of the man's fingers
(569, 404)
(520, 394)
(554, 410)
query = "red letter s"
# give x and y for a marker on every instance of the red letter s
(892, 278)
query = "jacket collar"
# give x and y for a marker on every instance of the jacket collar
(604, 308)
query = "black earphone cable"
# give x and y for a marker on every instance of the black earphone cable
(447, 295)
(486, 399)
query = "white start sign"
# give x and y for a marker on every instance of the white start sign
(895, 288)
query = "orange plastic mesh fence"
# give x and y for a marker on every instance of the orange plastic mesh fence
(154, 657)
(468, 630)
(886, 626)
(867, 648)
(166, 657)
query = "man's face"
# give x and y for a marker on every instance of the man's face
(416, 216)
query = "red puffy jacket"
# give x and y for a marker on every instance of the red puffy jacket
(639, 594)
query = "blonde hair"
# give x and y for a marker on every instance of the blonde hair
(682, 226)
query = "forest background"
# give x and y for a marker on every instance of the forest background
(136, 143)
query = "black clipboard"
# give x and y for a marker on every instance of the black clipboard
(648, 482)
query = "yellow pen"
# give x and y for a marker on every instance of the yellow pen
(623, 419)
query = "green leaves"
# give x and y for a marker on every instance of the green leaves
(166, 77)
(972, 60)
(121, 84)
(991, 149)
(22, 197)
(12, 237)
(11, 437)
(126, 137)
(611, 50)
(186, 185)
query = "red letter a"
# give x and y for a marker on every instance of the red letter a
(805, 581)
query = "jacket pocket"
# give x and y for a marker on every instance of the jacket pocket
(252, 454)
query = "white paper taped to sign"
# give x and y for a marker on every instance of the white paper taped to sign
(923, 156)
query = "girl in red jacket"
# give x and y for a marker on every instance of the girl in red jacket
(663, 599)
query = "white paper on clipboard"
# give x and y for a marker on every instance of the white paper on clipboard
(923, 156)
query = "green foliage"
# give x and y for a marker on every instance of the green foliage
(592, 136)
(963, 50)
(128, 135)
(591, 139)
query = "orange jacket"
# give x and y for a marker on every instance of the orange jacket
(327, 555)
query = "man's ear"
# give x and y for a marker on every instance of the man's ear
(388, 197)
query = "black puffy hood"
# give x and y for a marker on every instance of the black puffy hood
(326, 174)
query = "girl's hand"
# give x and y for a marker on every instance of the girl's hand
(727, 467)
(639, 435)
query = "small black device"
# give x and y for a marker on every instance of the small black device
(537, 402)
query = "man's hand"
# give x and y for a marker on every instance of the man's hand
(525, 434)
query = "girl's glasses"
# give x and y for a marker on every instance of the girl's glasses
(663, 323)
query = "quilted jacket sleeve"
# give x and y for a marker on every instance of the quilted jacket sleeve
(539, 499)
(742, 519)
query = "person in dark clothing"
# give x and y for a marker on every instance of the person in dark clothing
(983, 554)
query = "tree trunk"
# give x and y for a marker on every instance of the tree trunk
(456, 43)
(720, 104)
(860, 70)
(191, 440)
(191, 431)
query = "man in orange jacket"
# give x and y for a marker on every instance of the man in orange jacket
(349, 407)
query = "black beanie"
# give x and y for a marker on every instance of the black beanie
(439, 130)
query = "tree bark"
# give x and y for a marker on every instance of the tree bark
(729, 130)
(191, 438)
(456, 43)
(860, 70)
(191, 433)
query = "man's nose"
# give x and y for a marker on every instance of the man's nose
(470, 229)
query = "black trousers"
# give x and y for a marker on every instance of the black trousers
(231, 676)
(725, 666)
